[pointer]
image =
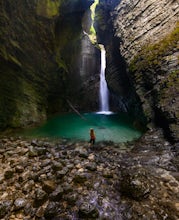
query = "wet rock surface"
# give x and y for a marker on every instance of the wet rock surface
(43, 179)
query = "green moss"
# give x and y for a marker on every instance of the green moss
(48, 8)
(69, 31)
(158, 83)
(169, 87)
(61, 63)
(151, 55)
(167, 104)
(27, 106)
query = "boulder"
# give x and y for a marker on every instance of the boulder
(79, 178)
(40, 197)
(9, 174)
(135, 183)
(91, 166)
(48, 186)
(57, 194)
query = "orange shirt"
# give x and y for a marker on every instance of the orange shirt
(92, 134)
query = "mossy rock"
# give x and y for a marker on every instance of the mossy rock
(151, 55)
(158, 82)
(48, 8)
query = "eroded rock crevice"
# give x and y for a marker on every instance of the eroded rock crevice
(123, 96)
(147, 63)
(47, 59)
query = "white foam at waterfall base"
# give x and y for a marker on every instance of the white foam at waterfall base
(105, 113)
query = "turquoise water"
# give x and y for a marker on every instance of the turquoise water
(111, 127)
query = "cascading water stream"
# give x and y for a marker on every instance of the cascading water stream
(103, 91)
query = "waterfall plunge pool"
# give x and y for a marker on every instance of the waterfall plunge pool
(108, 127)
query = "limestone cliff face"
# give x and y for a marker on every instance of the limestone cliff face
(38, 55)
(123, 95)
(27, 42)
(138, 23)
(80, 58)
(149, 34)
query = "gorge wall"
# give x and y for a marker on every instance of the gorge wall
(147, 34)
(41, 49)
(123, 95)
(47, 59)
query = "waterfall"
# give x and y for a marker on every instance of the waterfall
(104, 99)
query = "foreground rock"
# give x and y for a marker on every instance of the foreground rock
(50, 180)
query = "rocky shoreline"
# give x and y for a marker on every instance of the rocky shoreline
(43, 179)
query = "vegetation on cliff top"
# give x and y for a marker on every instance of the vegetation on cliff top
(92, 34)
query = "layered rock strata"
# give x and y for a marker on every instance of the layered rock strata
(123, 95)
(139, 23)
(147, 33)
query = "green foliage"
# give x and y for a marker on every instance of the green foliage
(92, 8)
(92, 30)
(92, 34)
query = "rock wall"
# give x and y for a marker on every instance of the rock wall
(141, 38)
(123, 95)
(27, 42)
(38, 57)
(138, 23)
(149, 33)
(80, 58)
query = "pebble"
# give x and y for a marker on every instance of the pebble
(91, 166)
(177, 206)
(48, 186)
(46, 181)
(19, 203)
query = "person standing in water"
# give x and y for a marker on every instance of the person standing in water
(92, 136)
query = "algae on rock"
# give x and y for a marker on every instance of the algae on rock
(48, 8)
